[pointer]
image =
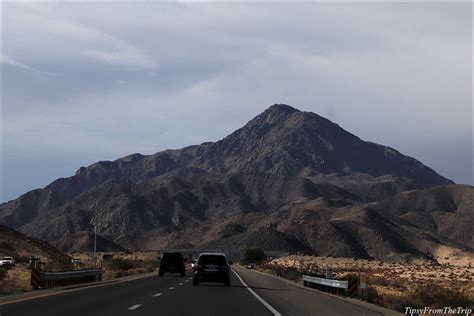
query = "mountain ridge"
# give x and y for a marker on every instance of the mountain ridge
(227, 155)
(280, 159)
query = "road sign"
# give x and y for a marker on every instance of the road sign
(363, 280)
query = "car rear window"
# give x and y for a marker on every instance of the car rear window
(217, 260)
(172, 257)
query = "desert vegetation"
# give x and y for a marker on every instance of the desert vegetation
(417, 283)
(14, 279)
(252, 255)
(120, 264)
(17, 279)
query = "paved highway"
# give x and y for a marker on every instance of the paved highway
(251, 293)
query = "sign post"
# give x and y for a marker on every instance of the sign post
(363, 282)
(94, 222)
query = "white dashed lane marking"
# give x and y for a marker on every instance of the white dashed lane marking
(157, 294)
(134, 307)
(186, 281)
(180, 283)
(172, 288)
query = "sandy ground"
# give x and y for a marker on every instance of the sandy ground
(393, 279)
(16, 280)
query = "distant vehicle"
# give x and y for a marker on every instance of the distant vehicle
(7, 261)
(251, 266)
(172, 262)
(212, 267)
(75, 260)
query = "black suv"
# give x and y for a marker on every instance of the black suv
(172, 262)
(212, 267)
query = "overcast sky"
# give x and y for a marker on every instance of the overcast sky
(88, 82)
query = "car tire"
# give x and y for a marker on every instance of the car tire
(195, 282)
(183, 273)
(227, 283)
(160, 273)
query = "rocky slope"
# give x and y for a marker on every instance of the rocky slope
(287, 180)
(19, 246)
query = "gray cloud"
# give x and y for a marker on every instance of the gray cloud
(7, 60)
(89, 81)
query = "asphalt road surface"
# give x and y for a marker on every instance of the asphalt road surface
(250, 293)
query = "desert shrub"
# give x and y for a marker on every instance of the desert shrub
(435, 295)
(151, 265)
(120, 274)
(3, 273)
(398, 303)
(379, 281)
(252, 255)
(372, 296)
(22, 259)
(123, 264)
(62, 264)
(288, 273)
(398, 284)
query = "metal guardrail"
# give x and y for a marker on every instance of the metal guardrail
(338, 287)
(327, 282)
(70, 274)
(40, 279)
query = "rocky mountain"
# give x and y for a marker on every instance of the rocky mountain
(440, 211)
(287, 180)
(285, 141)
(343, 228)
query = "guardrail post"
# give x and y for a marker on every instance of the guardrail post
(36, 280)
(353, 286)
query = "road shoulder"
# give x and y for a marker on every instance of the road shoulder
(35, 294)
(359, 303)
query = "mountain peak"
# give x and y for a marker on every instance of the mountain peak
(282, 108)
(276, 114)
(286, 141)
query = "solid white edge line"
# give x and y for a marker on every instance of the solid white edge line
(268, 306)
(157, 294)
(134, 307)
